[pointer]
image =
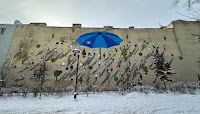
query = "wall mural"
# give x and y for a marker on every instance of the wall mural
(102, 63)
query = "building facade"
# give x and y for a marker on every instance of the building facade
(35, 42)
(6, 34)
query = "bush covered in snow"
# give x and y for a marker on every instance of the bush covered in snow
(178, 87)
(184, 87)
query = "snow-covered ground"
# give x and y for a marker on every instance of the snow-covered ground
(103, 103)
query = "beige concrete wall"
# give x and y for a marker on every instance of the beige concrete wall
(176, 43)
(189, 47)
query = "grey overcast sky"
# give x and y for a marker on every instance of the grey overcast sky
(91, 13)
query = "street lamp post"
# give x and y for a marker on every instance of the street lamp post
(76, 51)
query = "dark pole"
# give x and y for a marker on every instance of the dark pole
(76, 78)
(100, 52)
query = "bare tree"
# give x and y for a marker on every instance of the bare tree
(42, 71)
(41, 75)
(194, 13)
(188, 3)
(4, 72)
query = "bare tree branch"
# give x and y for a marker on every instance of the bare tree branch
(187, 3)
(187, 16)
(176, 2)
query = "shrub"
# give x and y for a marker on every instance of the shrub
(180, 57)
(161, 54)
(35, 73)
(68, 59)
(84, 52)
(124, 52)
(81, 79)
(167, 65)
(57, 72)
(38, 45)
(90, 67)
(62, 39)
(52, 35)
(104, 55)
(127, 36)
(52, 60)
(145, 69)
(184, 87)
(124, 56)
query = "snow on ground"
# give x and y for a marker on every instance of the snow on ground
(103, 103)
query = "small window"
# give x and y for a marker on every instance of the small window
(2, 30)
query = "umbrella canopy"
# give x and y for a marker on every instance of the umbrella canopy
(99, 40)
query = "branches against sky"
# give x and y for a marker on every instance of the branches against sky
(192, 7)
(187, 3)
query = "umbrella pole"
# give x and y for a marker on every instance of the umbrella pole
(100, 52)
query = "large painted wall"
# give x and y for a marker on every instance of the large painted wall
(179, 41)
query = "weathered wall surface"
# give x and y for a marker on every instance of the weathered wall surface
(5, 40)
(189, 47)
(176, 43)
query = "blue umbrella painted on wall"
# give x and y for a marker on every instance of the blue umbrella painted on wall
(99, 40)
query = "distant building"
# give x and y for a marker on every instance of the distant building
(6, 34)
